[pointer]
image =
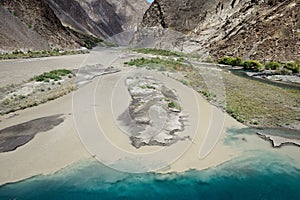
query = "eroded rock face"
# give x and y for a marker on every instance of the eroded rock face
(257, 29)
(154, 115)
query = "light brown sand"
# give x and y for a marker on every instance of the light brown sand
(94, 117)
(108, 142)
(48, 152)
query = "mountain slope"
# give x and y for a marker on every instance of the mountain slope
(45, 24)
(16, 35)
(263, 30)
(130, 12)
(38, 16)
(102, 18)
(92, 17)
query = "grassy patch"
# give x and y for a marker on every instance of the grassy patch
(159, 64)
(160, 52)
(189, 75)
(256, 103)
(173, 105)
(209, 96)
(14, 98)
(55, 75)
(38, 54)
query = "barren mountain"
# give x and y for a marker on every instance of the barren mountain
(257, 29)
(130, 12)
(92, 17)
(13, 30)
(45, 24)
(38, 17)
(102, 18)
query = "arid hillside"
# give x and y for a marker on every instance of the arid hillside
(263, 30)
(46, 24)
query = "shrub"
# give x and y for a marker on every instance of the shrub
(292, 67)
(161, 52)
(285, 71)
(235, 114)
(171, 104)
(272, 65)
(5, 102)
(252, 65)
(231, 61)
(55, 75)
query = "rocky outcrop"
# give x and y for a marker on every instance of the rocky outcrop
(256, 29)
(154, 115)
(279, 141)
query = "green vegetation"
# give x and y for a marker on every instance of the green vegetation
(248, 64)
(159, 64)
(13, 97)
(5, 102)
(256, 103)
(231, 61)
(89, 43)
(29, 26)
(148, 87)
(294, 67)
(272, 65)
(38, 54)
(210, 96)
(55, 75)
(235, 114)
(250, 102)
(252, 65)
(285, 71)
(171, 104)
(160, 52)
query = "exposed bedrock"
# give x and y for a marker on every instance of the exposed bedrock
(154, 115)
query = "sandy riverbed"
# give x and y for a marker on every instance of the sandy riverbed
(91, 129)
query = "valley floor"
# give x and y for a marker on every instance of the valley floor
(91, 128)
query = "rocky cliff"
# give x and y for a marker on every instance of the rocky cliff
(256, 29)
